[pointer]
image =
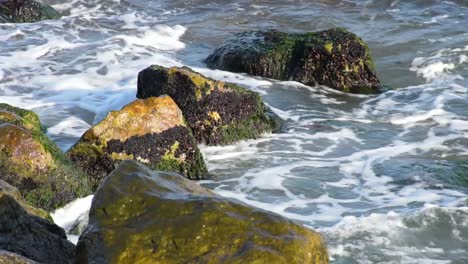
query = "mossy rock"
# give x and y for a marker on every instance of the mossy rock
(336, 58)
(152, 131)
(7, 189)
(219, 113)
(25, 11)
(142, 216)
(31, 236)
(34, 164)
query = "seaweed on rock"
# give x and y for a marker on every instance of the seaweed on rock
(335, 58)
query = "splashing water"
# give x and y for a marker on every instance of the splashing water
(383, 178)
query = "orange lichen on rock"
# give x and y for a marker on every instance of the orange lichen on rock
(141, 117)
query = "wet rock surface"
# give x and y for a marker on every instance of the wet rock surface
(336, 58)
(31, 236)
(34, 164)
(21, 11)
(138, 215)
(7, 189)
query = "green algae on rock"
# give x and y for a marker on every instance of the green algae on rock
(219, 113)
(31, 236)
(336, 58)
(152, 131)
(142, 216)
(25, 11)
(34, 164)
(7, 189)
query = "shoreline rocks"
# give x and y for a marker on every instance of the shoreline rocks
(139, 215)
(31, 236)
(152, 131)
(34, 164)
(7, 189)
(336, 58)
(25, 11)
(219, 113)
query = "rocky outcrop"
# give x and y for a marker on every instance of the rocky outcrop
(335, 58)
(20, 11)
(34, 164)
(141, 216)
(219, 113)
(31, 236)
(152, 131)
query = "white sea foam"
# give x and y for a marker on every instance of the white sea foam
(397, 236)
(70, 215)
(71, 126)
(440, 65)
(99, 76)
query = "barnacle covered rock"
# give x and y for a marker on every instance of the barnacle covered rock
(152, 131)
(335, 58)
(219, 113)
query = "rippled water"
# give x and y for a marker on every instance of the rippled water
(384, 178)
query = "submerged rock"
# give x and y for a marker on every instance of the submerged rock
(31, 236)
(152, 131)
(335, 58)
(20, 11)
(142, 216)
(219, 113)
(34, 164)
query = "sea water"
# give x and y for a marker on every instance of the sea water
(382, 177)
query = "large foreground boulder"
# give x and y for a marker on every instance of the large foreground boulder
(34, 164)
(335, 58)
(142, 216)
(31, 236)
(219, 113)
(20, 11)
(152, 131)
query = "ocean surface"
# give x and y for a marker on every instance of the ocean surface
(384, 178)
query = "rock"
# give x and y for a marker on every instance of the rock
(34, 164)
(152, 131)
(25, 11)
(141, 216)
(7, 257)
(31, 236)
(7, 189)
(335, 58)
(219, 113)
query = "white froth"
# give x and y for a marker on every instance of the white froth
(357, 236)
(71, 214)
(71, 126)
